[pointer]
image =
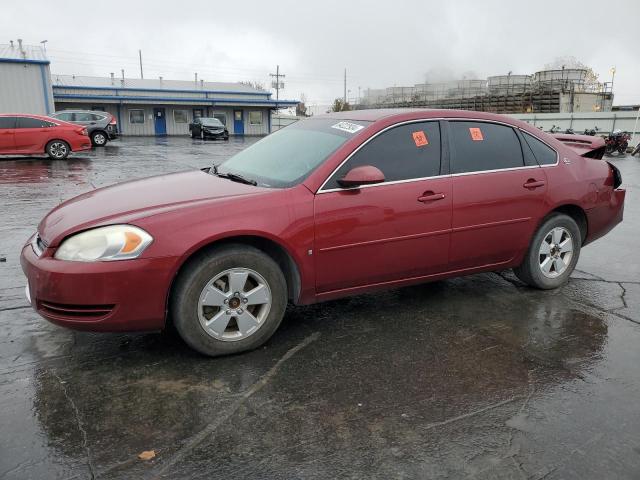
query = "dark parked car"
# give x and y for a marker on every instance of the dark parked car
(328, 207)
(205, 127)
(102, 126)
(22, 134)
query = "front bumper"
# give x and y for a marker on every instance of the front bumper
(210, 134)
(128, 295)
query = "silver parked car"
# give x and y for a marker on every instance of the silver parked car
(102, 126)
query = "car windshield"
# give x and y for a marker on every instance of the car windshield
(288, 156)
(211, 122)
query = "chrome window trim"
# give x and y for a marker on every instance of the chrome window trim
(409, 180)
(394, 182)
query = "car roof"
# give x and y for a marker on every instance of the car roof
(374, 115)
(28, 115)
(99, 112)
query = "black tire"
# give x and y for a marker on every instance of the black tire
(99, 138)
(192, 133)
(57, 149)
(198, 273)
(530, 271)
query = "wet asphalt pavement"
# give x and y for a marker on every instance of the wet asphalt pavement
(476, 377)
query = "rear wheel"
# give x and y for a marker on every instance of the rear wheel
(553, 253)
(58, 149)
(229, 300)
(99, 139)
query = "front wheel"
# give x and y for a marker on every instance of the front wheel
(229, 300)
(58, 149)
(622, 149)
(553, 253)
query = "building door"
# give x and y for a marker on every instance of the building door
(238, 122)
(160, 121)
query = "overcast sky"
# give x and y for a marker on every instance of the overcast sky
(381, 44)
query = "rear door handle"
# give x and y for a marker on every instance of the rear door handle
(431, 197)
(532, 183)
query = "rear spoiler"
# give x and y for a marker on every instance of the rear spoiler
(584, 145)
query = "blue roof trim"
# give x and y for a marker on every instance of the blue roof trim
(164, 90)
(24, 60)
(211, 101)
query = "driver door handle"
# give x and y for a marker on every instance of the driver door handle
(431, 197)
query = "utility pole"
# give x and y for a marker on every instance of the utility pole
(140, 55)
(277, 85)
(344, 99)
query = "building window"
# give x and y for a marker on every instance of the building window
(197, 113)
(136, 116)
(222, 117)
(180, 116)
(255, 118)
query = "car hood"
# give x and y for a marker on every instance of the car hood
(129, 201)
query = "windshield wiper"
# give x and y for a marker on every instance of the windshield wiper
(232, 176)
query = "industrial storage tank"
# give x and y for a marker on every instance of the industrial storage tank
(562, 79)
(466, 88)
(509, 84)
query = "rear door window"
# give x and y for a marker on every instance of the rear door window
(7, 123)
(402, 153)
(66, 116)
(479, 146)
(28, 122)
(545, 155)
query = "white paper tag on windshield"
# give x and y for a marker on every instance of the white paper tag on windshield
(348, 127)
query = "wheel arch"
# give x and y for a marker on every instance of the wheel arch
(270, 247)
(46, 145)
(577, 213)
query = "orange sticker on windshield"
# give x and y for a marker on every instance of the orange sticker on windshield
(476, 134)
(420, 139)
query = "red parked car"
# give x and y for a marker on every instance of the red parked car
(331, 206)
(36, 134)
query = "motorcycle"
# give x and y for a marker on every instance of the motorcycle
(569, 131)
(617, 141)
(591, 132)
(554, 129)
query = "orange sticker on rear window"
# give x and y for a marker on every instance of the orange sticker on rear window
(420, 139)
(476, 134)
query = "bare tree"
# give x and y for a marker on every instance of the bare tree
(253, 84)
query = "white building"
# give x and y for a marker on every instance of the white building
(141, 106)
(25, 80)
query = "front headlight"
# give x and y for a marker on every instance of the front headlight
(116, 242)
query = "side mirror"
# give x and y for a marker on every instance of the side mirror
(364, 175)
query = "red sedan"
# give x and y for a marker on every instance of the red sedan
(36, 134)
(330, 206)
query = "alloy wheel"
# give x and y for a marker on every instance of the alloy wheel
(234, 304)
(58, 150)
(556, 252)
(99, 139)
